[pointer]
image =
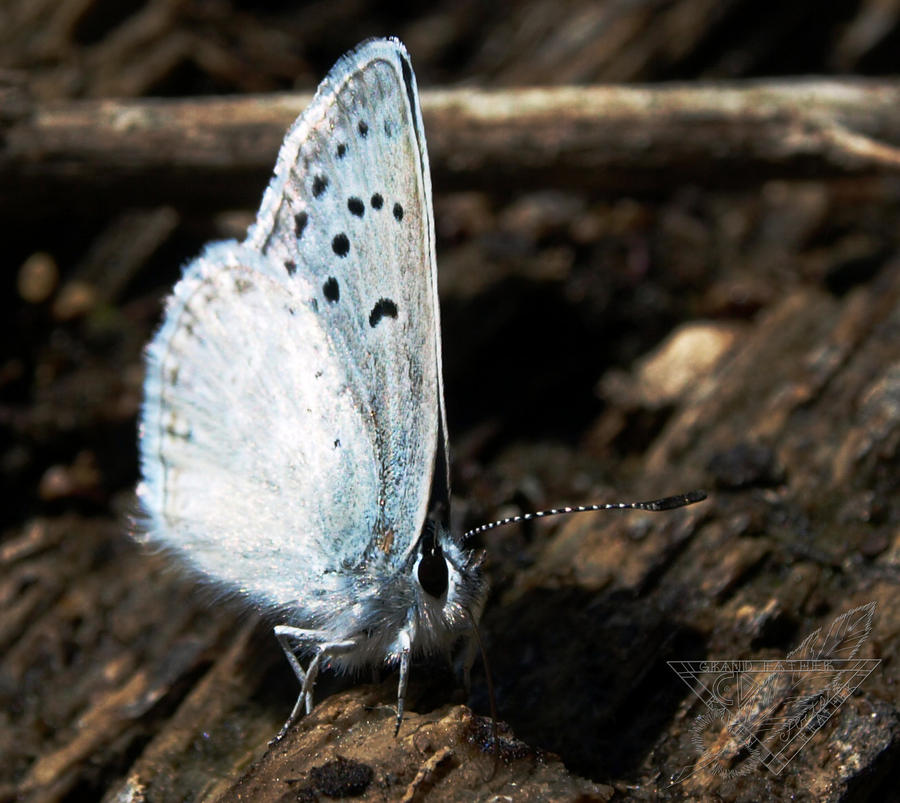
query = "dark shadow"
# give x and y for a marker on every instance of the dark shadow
(585, 676)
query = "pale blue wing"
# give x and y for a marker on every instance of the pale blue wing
(293, 405)
(253, 442)
(349, 210)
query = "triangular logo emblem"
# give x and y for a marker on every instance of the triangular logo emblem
(764, 711)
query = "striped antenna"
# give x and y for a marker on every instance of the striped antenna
(667, 503)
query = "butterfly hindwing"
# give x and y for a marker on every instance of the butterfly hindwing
(241, 386)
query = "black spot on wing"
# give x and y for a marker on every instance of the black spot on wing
(320, 184)
(377, 201)
(341, 151)
(340, 245)
(300, 221)
(356, 206)
(363, 128)
(290, 266)
(383, 307)
(332, 289)
(398, 212)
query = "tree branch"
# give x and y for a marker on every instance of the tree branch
(217, 153)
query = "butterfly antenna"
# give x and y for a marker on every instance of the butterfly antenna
(666, 503)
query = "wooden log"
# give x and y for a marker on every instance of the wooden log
(215, 153)
(117, 679)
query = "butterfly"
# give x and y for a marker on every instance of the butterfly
(293, 435)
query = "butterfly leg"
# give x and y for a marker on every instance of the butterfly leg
(290, 638)
(324, 652)
(405, 647)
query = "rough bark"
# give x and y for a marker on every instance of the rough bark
(119, 678)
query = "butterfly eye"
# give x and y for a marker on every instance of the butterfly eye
(432, 569)
(432, 573)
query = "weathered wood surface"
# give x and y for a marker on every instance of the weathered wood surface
(216, 153)
(748, 343)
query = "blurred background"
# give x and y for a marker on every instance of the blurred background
(610, 274)
(555, 301)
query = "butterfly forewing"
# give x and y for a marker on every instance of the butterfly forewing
(349, 213)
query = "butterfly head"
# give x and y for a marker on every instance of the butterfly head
(450, 588)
